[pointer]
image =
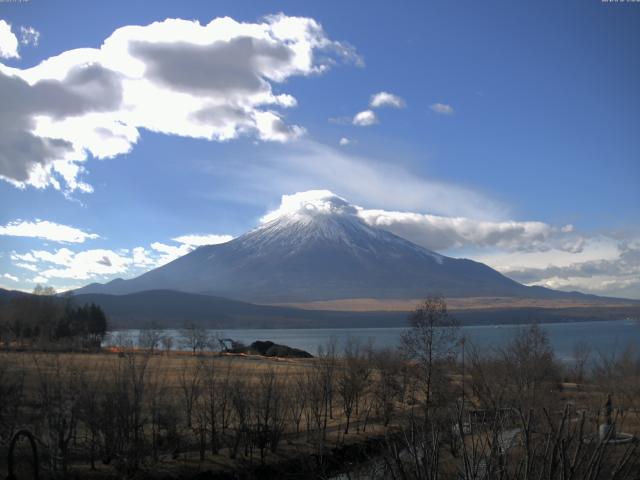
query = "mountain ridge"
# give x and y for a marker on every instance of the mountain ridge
(172, 309)
(320, 250)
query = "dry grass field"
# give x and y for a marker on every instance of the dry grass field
(156, 414)
(174, 379)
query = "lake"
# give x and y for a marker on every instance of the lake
(602, 336)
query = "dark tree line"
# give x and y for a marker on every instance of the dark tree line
(46, 320)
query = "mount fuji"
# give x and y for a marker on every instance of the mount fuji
(316, 248)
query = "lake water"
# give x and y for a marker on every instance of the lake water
(604, 336)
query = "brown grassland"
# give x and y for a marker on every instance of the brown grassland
(434, 408)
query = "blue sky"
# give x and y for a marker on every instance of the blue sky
(510, 134)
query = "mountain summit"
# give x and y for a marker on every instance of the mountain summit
(316, 247)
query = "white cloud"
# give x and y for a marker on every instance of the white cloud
(198, 240)
(8, 41)
(169, 253)
(442, 108)
(441, 233)
(64, 263)
(432, 231)
(13, 278)
(29, 36)
(344, 120)
(308, 165)
(104, 264)
(162, 253)
(46, 230)
(175, 77)
(386, 99)
(310, 203)
(27, 266)
(344, 141)
(141, 257)
(365, 118)
(607, 267)
(594, 249)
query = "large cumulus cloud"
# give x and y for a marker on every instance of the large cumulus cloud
(25, 155)
(176, 77)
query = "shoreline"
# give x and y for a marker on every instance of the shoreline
(462, 325)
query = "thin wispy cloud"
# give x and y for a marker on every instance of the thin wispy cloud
(29, 36)
(199, 239)
(309, 165)
(46, 230)
(442, 108)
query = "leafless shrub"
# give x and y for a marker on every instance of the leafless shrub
(58, 400)
(353, 378)
(195, 338)
(618, 372)
(149, 337)
(123, 414)
(579, 367)
(388, 388)
(11, 395)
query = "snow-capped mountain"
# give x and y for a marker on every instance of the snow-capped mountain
(316, 247)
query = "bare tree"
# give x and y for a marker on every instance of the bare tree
(216, 382)
(11, 396)
(241, 407)
(326, 365)
(58, 402)
(157, 395)
(297, 399)
(580, 364)
(195, 338)
(91, 392)
(352, 378)
(618, 373)
(269, 412)
(150, 337)
(387, 386)
(190, 388)
(122, 411)
(430, 341)
(531, 366)
(316, 405)
(167, 343)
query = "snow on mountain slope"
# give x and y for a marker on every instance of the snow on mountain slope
(316, 247)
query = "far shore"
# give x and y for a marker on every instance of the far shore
(454, 304)
(551, 320)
